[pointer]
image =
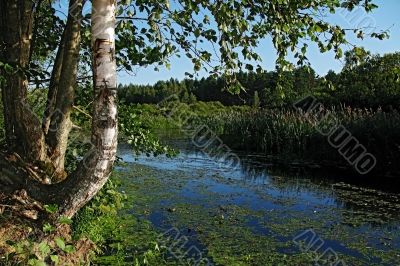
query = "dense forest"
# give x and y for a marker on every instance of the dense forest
(372, 82)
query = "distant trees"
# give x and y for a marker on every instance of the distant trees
(299, 81)
(365, 81)
(373, 83)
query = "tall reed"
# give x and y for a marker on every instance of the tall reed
(293, 135)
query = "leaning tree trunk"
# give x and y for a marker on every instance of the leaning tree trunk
(53, 86)
(94, 170)
(60, 117)
(23, 128)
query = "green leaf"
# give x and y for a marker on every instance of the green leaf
(69, 249)
(318, 28)
(60, 243)
(47, 228)
(54, 258)
(44, 249)
(35, 262)
(65, 220)
(52, 208)
(249, 67)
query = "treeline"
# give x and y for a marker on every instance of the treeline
(260, 89)
(369, 82)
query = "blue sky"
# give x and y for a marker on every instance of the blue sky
(386, 16)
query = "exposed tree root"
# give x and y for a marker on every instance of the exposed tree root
(16, 175)
(22, 218)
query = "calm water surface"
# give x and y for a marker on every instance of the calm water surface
(197, 194)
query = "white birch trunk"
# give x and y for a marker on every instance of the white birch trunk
(94, 170)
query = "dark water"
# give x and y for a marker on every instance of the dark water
(359, 223)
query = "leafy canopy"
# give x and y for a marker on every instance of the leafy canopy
(221, 35)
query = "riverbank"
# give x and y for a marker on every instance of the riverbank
(104, 232)
(360, 142)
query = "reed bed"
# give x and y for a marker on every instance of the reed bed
(291, 134)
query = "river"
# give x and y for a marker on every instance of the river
(258, 213)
